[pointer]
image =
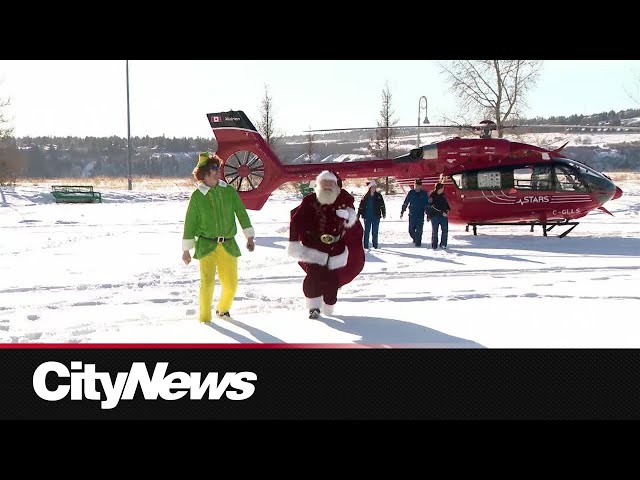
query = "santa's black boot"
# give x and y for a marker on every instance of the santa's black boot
(313, 304)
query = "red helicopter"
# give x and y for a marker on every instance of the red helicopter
(488, 181)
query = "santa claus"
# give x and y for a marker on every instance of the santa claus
(325, 236)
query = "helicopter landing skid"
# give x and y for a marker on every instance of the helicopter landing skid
(545, 226)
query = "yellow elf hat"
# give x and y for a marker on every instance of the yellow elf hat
(202, 158)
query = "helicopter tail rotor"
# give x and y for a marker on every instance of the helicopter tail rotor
(249, 164)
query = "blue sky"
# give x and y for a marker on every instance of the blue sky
(171, 97)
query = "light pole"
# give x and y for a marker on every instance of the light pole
(426, 119)
(128, 131)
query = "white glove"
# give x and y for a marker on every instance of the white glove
(342, 213)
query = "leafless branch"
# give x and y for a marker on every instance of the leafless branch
(5, 130)
(310, 146)
(380, 147)
(634, 96)
(266, 124)
(495, 88)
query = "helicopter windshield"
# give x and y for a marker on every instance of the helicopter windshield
(573, 175)
(567, 179)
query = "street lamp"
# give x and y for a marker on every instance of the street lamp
(128, 131)
(426, 119)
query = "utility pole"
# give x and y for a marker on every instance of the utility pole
(128, 131)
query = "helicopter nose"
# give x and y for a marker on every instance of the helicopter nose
(617, 194)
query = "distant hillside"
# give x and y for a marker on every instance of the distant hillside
(598, 144)
(629, 117)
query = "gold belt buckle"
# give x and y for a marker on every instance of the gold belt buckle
(326, 238)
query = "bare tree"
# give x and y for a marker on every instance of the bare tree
(266, 125)
(310, 146)
(493, 88)
(8, 163)
(634, 96)
(381, 145)
(5, 130)
(305, 187)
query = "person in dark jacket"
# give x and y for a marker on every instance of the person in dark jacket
(417, 200)
(371, 209)
(438, 211)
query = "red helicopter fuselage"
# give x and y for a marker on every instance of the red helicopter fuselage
(487, 180)
(496, 180)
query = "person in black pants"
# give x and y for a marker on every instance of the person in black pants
(438, 211)
(371, 209)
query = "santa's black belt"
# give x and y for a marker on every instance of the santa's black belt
(218, 239)
(329, 239)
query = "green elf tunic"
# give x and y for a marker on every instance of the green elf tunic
(211, 214)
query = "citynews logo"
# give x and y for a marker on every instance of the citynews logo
(83, 380)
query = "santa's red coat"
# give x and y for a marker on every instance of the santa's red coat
(311, 219)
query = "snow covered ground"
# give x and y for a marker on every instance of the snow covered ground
(112, 273)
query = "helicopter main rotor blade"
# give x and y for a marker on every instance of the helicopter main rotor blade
(474, 127)
(387, 128)
(559, 125)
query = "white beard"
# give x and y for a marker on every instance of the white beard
(327, 197)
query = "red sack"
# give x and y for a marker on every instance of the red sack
(355, 261)
(353, 241)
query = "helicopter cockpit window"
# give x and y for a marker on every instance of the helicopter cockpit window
(567, 181)
(588, 179)
(596, 181)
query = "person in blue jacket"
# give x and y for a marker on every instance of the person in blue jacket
(371, 209)
(417, 200)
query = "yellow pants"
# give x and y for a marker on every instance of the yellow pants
(227, 267)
